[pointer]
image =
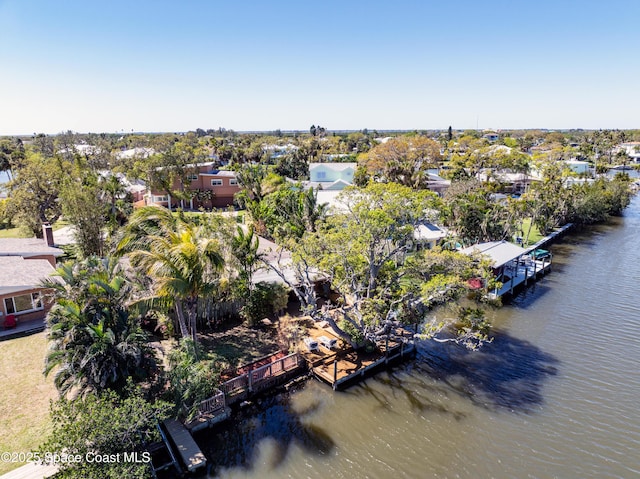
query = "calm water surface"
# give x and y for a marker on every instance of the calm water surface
(556, 395)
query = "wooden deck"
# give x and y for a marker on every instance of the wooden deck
(191, 455)
(31, 471)
(23, 328)
(525, 271)
(210, 411)
(262, 378)
(342, 364)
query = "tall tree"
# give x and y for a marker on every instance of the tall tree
(11, 155)
(95, 343)
(244, 247)
(182, 259)
(114, 192)
(105, 426)
(35, 190)
(83, 205)
(364, 253)
(404, 160)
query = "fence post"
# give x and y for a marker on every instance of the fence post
(386, 350)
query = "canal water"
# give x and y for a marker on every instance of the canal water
(556, 395)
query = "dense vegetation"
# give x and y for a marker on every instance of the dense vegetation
(136, 274)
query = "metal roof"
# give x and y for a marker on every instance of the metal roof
(500, 252)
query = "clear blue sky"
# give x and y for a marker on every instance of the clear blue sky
(93, 66)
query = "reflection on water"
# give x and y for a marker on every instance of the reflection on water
(555, 395)
(506, 373)
(267, 429)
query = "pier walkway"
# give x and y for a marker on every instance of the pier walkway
(191, 455)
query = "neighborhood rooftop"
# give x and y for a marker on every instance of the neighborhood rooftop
(27, 247)
(18, 273)
(500, 252)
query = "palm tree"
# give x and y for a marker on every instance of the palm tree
(312, 211)
(244, 247)
(94, 342)
(183, 263)
(114, 190)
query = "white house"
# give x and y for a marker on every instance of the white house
(577, 166)
(632, 149)
(427, 235)
(338, 174)
(138, 152)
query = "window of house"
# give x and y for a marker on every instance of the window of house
(193, 177)
(216, 182)
(160, 198)
(321, 175)
(23, 303)
(233, 182)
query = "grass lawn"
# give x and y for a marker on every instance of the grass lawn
(12, 233)
(19, 233)
(534, 236)
(24, 396)
(239, 344)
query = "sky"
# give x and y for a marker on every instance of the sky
(151, 66)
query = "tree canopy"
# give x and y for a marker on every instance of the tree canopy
(365, 253)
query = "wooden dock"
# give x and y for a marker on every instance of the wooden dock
(32, 471)
(520, 274)
(191, 455)
(342, 364)
(210, 411)
(262, 378)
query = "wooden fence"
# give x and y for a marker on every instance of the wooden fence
(237, 384)
(212, 406)
(261, 377)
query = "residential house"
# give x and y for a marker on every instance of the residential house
(332, 176)
(437, 184)
(631, 148)
(138, 152)
(330, 179)
(512, 183)
(491, 137)
(577, 166)
(208, 187)
(277, 151)
(427, 236)
(24, 263)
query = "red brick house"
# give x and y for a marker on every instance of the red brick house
(209, 188)
(24, 263)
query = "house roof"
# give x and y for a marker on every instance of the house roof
(19, 274)
(27, 247)
(333, 166)
(135, 152)
(225, 173)
(336, 185)
(428, 231)
(330, 198)
(500, 252)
